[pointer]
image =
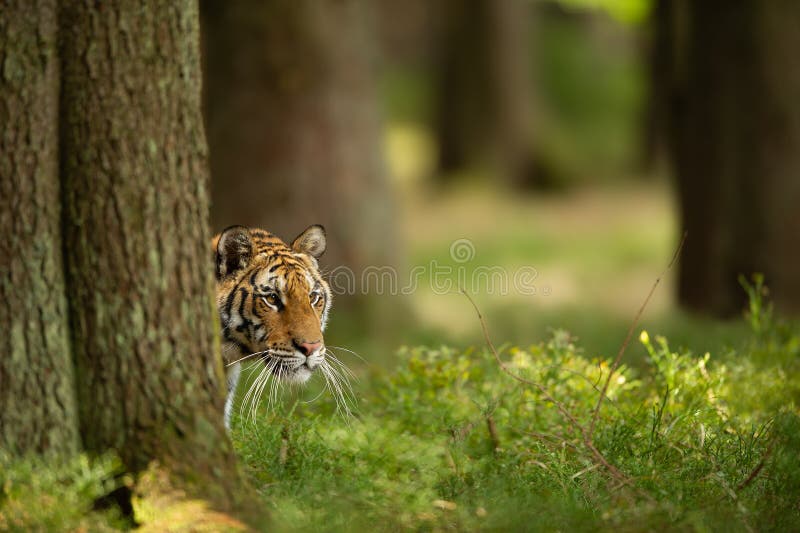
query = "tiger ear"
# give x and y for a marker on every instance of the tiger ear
(312, 241)
(233, 251)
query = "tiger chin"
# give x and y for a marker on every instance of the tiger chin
(273, 306)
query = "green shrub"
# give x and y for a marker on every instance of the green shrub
(51, 494)
(449, 441)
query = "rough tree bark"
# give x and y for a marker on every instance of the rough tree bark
(735, 146)
(293, 125)
(37, 394)
(136, 234)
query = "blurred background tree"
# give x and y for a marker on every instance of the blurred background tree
(502, 101)
(730, 82)
(293, 124)
(482, 84)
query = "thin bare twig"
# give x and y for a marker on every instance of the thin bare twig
(588, 433)
(757, 470)
(560, 406)
(283, 453)
(587, 440)
(459, 434)
(492, 427)
(551, 440)
(631, 329)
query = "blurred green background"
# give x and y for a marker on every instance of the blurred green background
(578, 139)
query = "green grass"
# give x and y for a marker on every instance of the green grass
(47, 494)
(703, 442)
(686, 430)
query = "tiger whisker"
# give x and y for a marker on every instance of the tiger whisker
(332, 358)
(342, 395)
(269, 381)
(262, 377)
(249, 394)
(250, 366)
(315, 398)
(344, 384)
(246, 357)
(275, 389)
(250, 389)
(349, 351)
(331, 385)
(260, 391)
(343, 379)
(342, 366)
(272, 384)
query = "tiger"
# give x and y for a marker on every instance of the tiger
(273, 306)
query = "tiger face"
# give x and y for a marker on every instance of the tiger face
(273, 303)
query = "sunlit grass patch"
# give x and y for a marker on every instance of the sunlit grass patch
(447, 441)
(55, 494)
(703, 440)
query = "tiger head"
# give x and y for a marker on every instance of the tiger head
(273, 303)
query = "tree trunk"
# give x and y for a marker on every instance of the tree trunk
(484, 94)
(660, 44)
(735, 143)
(462, 85)
(293, 125)
(511, 138)
(37, 390)
(779, 152)
(136, 233)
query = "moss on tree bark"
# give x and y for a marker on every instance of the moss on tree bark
(37, 394)
(136, 204)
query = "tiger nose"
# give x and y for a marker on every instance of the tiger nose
(308, 347)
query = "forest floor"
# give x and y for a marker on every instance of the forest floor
(450, 440)
(699, 429)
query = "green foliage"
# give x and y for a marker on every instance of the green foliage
(703, 443)
(626, 11)
(588, 135)
(588, 90)
(449, 441)
(39, 494)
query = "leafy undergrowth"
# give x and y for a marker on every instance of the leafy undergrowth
(450, 442)
(50, 494)
(38, 494)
